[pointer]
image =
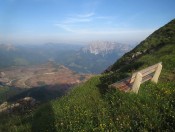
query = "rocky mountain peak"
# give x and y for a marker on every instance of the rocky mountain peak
(104, 47)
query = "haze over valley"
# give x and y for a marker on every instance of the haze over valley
(92, 58)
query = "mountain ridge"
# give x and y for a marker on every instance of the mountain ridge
(106, 47)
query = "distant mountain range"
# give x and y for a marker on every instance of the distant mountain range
(7, 47)
(105, 47)
(92, 58)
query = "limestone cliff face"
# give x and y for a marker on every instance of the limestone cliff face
(105, 47)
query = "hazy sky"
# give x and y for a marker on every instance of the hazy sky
(40, 21)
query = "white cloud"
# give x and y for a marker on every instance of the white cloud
(76, 20)
(64, 26)
(82, 19)
(90, 26)
(87, 15)
(79, 18)
(104, 17)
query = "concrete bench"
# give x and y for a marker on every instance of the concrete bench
(133, 83)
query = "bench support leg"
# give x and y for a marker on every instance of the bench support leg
(157, 73)
(137, 82)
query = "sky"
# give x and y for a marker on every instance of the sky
(81, 21)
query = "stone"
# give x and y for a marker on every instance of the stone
(2, 74)
(5, 104)
(20, 106)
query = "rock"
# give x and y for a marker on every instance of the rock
(20, 106)
(4, 80)
(3, 105)
(16, 105)
(133, 56)
(27, 102)
(28, 99)
(2, 74)
(136, 54)
(144, 51)
(4, 110)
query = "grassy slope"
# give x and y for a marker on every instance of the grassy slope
(94, 107)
